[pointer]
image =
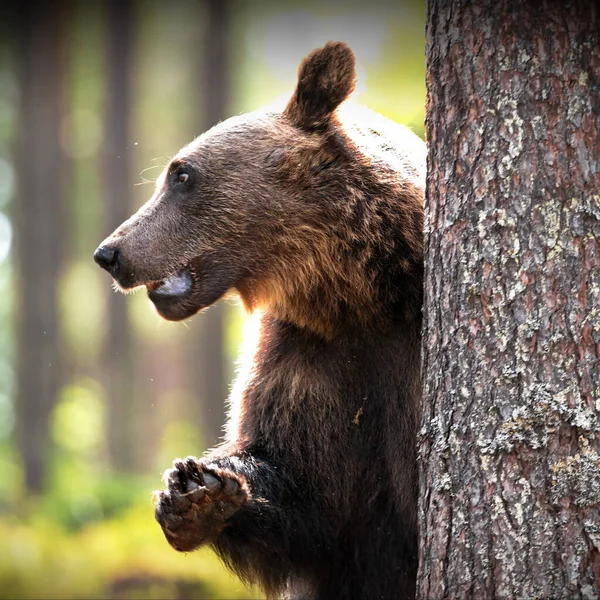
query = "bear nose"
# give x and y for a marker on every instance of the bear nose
(107, 257)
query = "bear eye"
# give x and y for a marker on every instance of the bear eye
(182, 177)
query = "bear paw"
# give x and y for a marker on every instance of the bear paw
(199, 499)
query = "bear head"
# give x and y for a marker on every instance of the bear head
(281, 207)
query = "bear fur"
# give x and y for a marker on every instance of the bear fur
(314, 217)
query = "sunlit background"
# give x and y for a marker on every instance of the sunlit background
(97, 394)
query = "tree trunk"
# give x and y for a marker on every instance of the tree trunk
(117, 353)
(39, 221)
(510, 463)
(207, 349)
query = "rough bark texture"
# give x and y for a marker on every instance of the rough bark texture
(510, 463)
(118, 346)
(39, 212)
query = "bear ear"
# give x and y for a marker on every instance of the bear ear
(326, 78)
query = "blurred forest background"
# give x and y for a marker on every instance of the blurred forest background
(97, 394)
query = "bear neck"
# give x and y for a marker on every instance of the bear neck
(359, 270)
(334, 297)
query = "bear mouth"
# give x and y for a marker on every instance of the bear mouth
(178, 285)
(176, 297)
(192, 288)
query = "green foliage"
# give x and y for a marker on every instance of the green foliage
(82, 293)
(93, 535)
(79, 418)
(125, 556)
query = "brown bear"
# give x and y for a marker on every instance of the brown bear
(314, 217)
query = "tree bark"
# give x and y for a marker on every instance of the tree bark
(208, 377)
(509, 455)
(118, 348)
(39, 235)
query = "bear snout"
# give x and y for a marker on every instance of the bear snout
(111, 257)
(108, 257)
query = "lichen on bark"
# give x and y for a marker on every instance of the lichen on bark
(510, 441)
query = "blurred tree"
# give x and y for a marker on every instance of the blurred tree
(510, 454)
(39, 227)
(117, 356)
(207, 352)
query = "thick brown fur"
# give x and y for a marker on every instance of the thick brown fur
(314, 216)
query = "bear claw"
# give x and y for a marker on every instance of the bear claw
(199, 499)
